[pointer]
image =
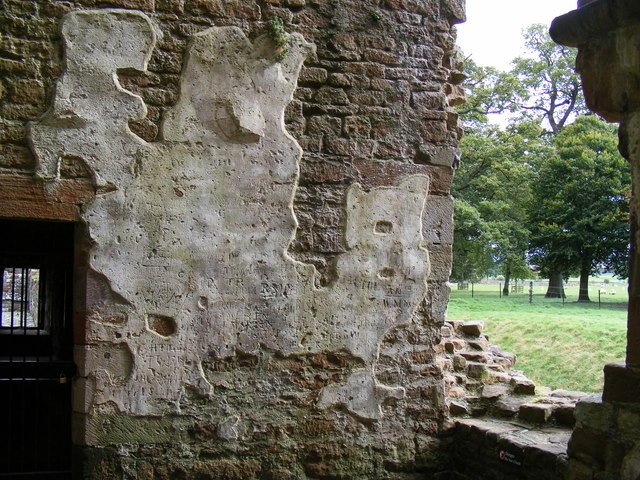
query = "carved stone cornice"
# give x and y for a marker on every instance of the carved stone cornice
(594, 19)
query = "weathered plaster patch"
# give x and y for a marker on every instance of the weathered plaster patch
(191, 234)
(381, 280)
(90, 113)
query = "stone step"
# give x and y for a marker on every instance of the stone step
(556, 408)
(486, 449)
(499, 401)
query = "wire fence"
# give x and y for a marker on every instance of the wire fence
(609, 294)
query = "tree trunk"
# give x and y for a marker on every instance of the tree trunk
(555, 288)
(507, 278)
(583, 294)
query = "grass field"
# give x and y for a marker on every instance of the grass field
(558, 345)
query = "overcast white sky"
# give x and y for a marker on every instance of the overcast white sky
(492, 33)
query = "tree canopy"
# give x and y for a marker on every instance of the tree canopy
(492, 193)
(550, 89)
(522, 183)
(579, 217)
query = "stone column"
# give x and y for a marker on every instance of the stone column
(622, 381)
(630, 149)
(606, 33)
(605, 442)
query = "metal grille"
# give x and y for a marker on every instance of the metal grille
(20, 292)
(35, 350)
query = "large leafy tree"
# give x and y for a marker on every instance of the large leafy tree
(472, 255)
(579, 211)
(553, 96)
(541, 86)
(550, 88)
(492, 190)
(540, 95)
(489, 92)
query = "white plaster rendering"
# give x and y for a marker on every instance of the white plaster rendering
(192, 234)
(381, 280)
(90, 113)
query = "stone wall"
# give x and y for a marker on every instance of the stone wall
(486, 449)
(605, 441)
(251, 302)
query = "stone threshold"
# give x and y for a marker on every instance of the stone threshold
(503, 450)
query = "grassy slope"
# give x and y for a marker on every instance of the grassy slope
(558, 346)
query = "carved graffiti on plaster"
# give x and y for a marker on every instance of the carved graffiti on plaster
(192, 233)
(381, 280)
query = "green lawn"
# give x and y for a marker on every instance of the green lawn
(558, 345)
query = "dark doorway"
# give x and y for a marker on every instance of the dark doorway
(36, 349)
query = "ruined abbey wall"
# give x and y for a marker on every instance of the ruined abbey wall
(264, 226)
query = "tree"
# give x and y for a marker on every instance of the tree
(542, 86)
(553, 96)
(541, 94)
(550, 90)
(579, 212)
(471, 258)
(489, 91)
(492, 191)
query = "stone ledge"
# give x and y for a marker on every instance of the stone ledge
(594, 19)
(510, 450)
(549, 439)
(621, 383)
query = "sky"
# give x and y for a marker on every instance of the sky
(492, 33)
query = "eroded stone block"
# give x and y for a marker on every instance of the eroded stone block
(535, 412)
(438, 221)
